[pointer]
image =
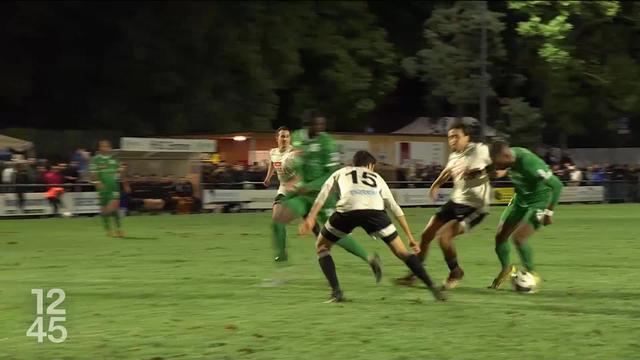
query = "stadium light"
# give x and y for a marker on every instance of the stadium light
(239, 138)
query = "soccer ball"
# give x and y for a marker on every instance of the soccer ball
(67, 214)
(524, 282)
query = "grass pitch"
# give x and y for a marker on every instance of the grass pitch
(190, 287)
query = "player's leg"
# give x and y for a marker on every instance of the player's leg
(278, 230)
(338, 226)
(289, 208)
(114, 213)
(520, 237)
(105, 199)
(428, 234)
(509, 221)
(346, 242)
(445, 235)
(413, 263)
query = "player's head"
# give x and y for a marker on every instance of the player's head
(314, 121)
(283, 137)
(457, 136)
(104, 147)
(501, 154)
(364, 159)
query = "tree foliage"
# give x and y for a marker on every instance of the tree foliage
(450, 59)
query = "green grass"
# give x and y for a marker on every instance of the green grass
(188, 287)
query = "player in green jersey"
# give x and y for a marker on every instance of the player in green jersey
(104, 172)
(317, 158)
(537, 192)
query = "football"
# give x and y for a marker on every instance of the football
(524, 282)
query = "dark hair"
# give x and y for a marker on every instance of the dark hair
(282, 128)
(309, 115)
(496, 147)
(460, 125)
(363, 158)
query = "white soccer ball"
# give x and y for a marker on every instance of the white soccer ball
(67, 214)
(524, 282)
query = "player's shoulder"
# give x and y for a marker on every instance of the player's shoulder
(273, 151)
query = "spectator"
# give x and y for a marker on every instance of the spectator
(71, 173)
(575, 175)
(53, 176)
(22, 178)
(8, 177)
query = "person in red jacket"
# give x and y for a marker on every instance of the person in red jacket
(53, 179)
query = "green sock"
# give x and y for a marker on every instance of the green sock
(351, 245)
(526, 255)
(503, 250)
(105, 222)
(279, 235)
(116, 219)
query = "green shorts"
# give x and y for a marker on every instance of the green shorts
(105, 197)
(518, 212)
(301, 206)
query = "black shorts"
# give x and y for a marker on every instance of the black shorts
(468, 216)
(278, 199)
(375, 222)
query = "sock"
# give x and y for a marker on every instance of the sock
(452, 263)
(351, 245)
(416, 267)
(503, 250)
(116, 219)
(279, 236)
(526, 255)
(105, 222)
(329, 269)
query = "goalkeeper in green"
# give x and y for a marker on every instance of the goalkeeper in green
(537, 192)
(316, 159)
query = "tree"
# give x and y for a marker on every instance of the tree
(450, 60)
(349, 65)
(523, 122)
(553, 22)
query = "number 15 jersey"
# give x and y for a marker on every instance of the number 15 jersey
(359, 189)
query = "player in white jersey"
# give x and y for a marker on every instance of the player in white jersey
(364, 196)
(467, 206)
(280, 160)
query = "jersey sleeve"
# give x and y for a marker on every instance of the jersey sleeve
(327, 187)
(536, 167)
(389, 202)
(481, 158)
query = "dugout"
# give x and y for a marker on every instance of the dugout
(163, 162)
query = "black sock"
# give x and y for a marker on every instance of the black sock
(329, 270)
(452, 263)
(414, 264)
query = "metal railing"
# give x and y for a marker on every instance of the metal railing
(615, 191)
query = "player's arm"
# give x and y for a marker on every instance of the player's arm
(538, 168)
(267, 180)
(391, 204)
(310, 221)
(445, 174)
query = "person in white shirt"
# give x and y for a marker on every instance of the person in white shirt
(467, 206)
(364, 196)
(280, 160)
